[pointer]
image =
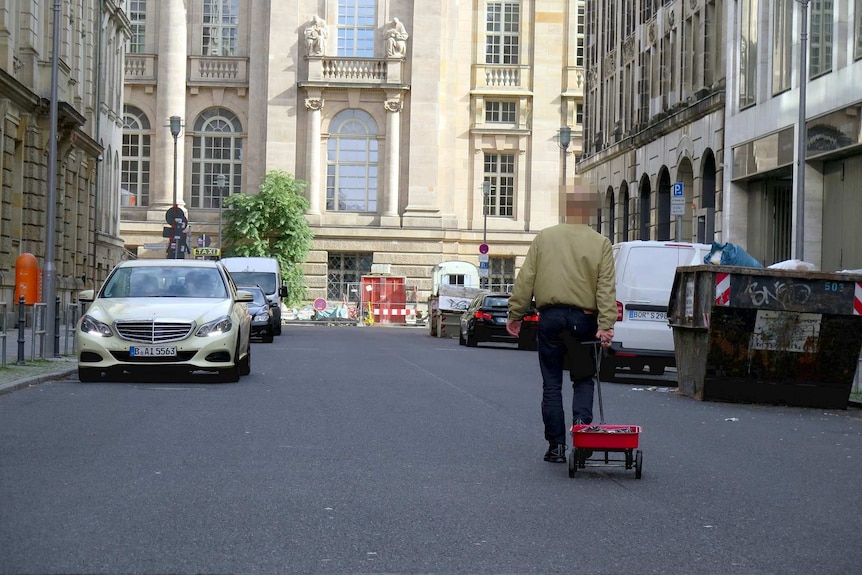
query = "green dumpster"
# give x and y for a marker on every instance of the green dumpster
(766, 336)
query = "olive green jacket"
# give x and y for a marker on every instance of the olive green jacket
(568, 264)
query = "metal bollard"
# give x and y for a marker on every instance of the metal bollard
(21, 323)
(57, 327)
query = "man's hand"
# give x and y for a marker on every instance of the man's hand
(513, 326)
(605, 335)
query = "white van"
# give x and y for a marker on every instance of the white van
(643, 339)
(264, 272)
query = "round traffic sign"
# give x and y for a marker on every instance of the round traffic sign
(174, 213)
(320, 304)
(483, 249)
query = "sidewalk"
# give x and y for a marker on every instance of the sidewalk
(36, 370)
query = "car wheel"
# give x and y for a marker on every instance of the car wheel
(88, 374)
(469, 341)
(461, 340)
(277, 326)
(267, 337)
(244, 366)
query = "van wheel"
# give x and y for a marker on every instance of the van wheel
(607, 371)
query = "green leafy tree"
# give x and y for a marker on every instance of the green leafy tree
(272, 224)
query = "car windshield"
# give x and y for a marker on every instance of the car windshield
(266, 280)
(164, 281)
(259, 298)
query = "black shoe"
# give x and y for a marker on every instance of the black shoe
(556, 453)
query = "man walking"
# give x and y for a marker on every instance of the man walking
(569, 270)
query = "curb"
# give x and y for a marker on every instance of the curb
(36, 379)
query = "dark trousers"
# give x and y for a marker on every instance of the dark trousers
(560, 332)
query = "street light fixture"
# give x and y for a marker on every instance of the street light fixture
(176, 125)
(220, 183)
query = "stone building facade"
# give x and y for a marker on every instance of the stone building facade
(398, 114)
(89, 139)
(706, 94)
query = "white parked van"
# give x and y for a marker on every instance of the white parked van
(643, 339)
(261, 271)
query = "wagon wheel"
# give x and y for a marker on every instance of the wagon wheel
(573, 464)
(639, 461)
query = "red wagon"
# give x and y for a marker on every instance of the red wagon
(602, 444)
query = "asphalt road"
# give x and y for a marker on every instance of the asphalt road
(383, 450)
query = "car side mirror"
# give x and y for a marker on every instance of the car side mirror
(244, 296)
(87, 295)
(282, 291)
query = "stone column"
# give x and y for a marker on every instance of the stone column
(314, 106)
(393, 154)
(171, 101)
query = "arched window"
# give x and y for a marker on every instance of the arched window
(351, 163)
(216, 149)
(135, 170)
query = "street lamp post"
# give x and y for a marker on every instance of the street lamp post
(564, 141)
(801, 133)
(486, 195)
(220, 182)
(176, 125)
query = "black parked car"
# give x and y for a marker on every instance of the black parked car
(485, 321)
(263, 318)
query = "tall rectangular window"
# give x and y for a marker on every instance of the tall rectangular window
(500, 112)
(220, 27)
(344, 275)
(820, 57)
(579, 114)
(499, 172)
(748, 53)
(501, 273)
(579, 36)
(502, 33)
(137, 13)
(782, 44)
(858, 26)
(356, 28)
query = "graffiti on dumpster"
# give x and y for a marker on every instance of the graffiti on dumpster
(778, 292)
(455, 303)
(791, 294)
(786, 331)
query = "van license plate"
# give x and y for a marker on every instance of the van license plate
(153, 351)
(647, 315)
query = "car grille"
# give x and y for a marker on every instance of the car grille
(153, 331)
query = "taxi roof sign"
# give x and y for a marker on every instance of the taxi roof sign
(205, 252)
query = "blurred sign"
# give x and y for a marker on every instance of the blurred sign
(320, 304)
(483, 249)
(205, 252)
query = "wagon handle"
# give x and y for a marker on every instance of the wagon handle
(597, 352)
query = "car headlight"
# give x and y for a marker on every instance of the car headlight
(215, 327)
(261, 317)
(95, 327)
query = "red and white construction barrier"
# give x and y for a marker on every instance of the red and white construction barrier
(722, 289)
(857, 300)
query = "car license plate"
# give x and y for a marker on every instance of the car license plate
(500, 320)
(153, 351)
(647, 315)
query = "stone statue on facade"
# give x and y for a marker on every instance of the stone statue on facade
(395, 39)
(316, 33)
